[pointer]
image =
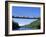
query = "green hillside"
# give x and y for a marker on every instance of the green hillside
(15, 25)
(34, 25)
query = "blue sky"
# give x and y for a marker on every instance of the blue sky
(25, 11)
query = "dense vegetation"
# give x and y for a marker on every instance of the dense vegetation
(34, 25)
(15, 25)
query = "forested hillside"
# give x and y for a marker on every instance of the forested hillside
(15, 25)
(34, 25)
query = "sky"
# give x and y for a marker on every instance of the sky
(25, 11)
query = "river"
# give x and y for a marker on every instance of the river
(22, 28)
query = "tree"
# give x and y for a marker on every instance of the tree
(15, 25)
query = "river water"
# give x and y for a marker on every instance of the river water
(22, 28)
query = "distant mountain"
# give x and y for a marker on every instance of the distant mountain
(25, 17)
(34, 25)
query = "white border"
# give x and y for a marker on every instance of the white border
(24, 31)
